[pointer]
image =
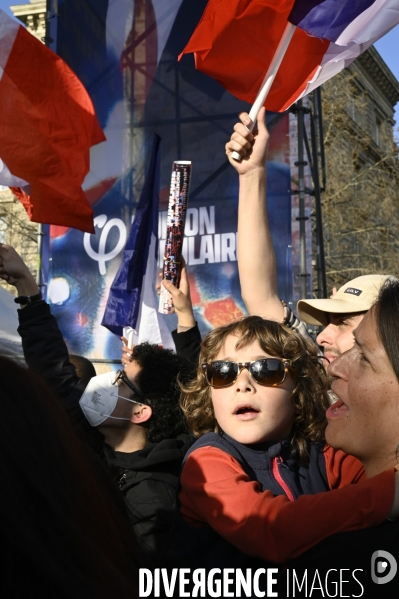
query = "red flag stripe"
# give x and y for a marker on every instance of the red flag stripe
(235, 42)
(47, 126)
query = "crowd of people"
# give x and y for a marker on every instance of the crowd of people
(240, 450)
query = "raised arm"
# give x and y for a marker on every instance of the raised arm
(256, 258)
(44, 347)
(182, 300)
(186, 337)
(14, 271)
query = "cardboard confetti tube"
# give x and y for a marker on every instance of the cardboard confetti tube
(176, 220)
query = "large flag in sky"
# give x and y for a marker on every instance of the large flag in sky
(236, 40)
(47, 126)
(132, 300)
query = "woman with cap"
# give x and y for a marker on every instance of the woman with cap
(364, 422)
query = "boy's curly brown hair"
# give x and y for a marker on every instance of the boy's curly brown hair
(309, 396)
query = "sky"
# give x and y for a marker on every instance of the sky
(388, 46)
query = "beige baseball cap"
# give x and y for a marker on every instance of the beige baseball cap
(357, 295)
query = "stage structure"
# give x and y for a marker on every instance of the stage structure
(125, 53)
(308, 177)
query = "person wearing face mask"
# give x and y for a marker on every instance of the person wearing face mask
(340, 314)
(131, 419)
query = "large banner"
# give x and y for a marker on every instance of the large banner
(125, 52)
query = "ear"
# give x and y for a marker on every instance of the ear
(140, 414)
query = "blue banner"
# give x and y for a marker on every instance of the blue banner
(126, 55)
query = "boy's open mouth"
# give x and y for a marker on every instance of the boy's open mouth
(245, 409)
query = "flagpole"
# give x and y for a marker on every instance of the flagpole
(269, 78)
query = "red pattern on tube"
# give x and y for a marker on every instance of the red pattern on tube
(176, 220)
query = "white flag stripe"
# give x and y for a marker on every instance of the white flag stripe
(371, 24)
(339, 57)
(9, 180)
(165, 14)
(335, 59)
(150, 326)
(118, 25)
(8, 33)
(120, 19)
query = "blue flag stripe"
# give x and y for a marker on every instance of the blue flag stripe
(125, 295)
(326, 18)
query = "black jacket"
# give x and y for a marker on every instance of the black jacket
(148, 478)
(188, 345)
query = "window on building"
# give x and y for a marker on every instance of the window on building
(358, 183)
(3, 228)
(378, 129)
(356, 105)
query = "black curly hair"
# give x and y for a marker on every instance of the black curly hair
(158, 381)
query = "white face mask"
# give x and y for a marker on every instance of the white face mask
(100, 397)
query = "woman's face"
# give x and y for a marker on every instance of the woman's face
(365, 420)
(249, 412)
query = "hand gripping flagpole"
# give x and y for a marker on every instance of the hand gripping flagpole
(130, 334)
(269, 78)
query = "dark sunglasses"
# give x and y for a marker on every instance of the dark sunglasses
(268, 372)
(121, 376)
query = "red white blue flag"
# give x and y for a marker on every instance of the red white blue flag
(236, 40)
(351, 27)
(47, 126)
(133, 301)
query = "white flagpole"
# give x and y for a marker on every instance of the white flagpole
(131, 335)
(269, 78)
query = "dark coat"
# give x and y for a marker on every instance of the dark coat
(147, 478)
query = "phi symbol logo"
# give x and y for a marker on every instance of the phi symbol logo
(383, 567)
(102, 256)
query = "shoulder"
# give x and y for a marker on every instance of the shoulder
(209, 464)
(207, 440)
(214, 440)
(342, 469)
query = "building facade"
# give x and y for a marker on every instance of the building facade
(360, 205)
(33, 15)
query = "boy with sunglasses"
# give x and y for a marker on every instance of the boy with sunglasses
(257, 471)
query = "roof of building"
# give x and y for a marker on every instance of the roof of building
(382, 76)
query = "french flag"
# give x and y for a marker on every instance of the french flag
(351, 27)
(132, 305)
(47, 126)
(236, 41)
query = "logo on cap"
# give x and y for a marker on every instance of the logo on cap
(353, 291)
